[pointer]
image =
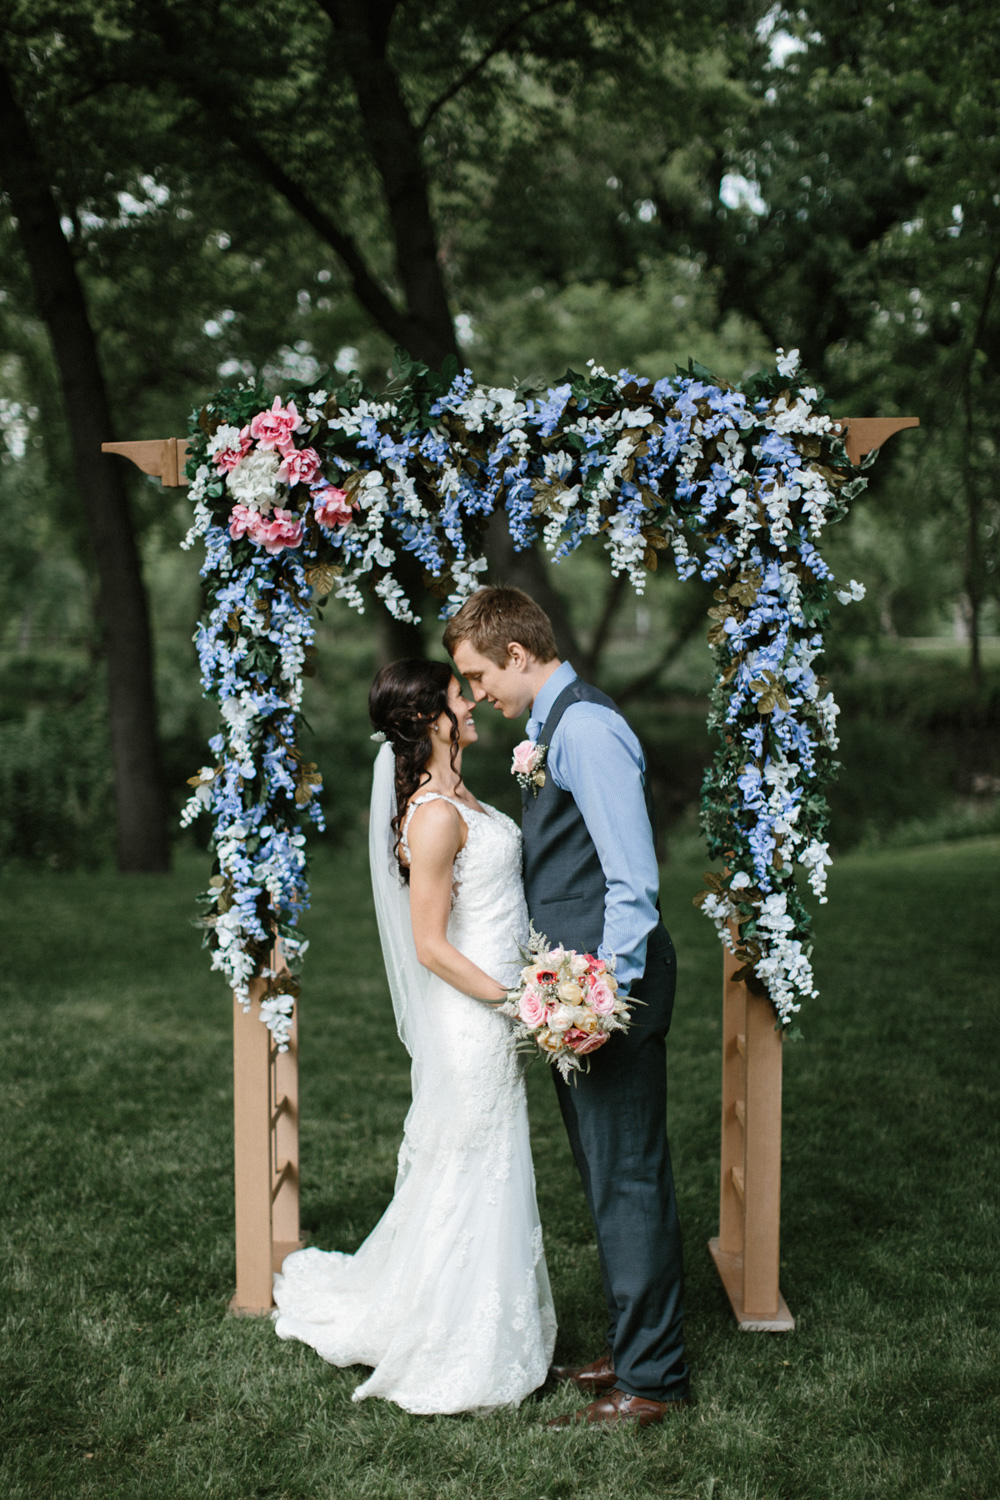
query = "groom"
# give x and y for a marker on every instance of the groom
(591, 882)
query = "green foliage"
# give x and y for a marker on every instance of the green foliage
(124, 1377)
(55, 787)
(574, 182)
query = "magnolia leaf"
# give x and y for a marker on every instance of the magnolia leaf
(321, 578)
(716, 635)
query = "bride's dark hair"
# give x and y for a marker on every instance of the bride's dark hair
(405, 699)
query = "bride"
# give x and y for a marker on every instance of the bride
(448, 1298)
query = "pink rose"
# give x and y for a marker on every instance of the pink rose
(532, 1008)
(299, 465)
(601, 999)
(332, 505)
(524, 754)
(284, 529)
(273, 428)
(227, 458)
(580, 1043)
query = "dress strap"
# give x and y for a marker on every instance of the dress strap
(404, 842)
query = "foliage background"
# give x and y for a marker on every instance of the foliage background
(632, 182)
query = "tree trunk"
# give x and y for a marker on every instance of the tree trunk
(528, 571)
(361, 28)
(123, 614)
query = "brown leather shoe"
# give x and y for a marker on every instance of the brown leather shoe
(617, 1409)
(592, 1378)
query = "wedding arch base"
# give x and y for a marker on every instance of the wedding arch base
(265, 1056)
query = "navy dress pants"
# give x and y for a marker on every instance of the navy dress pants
(616, 1118)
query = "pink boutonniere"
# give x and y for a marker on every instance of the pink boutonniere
(528, 765)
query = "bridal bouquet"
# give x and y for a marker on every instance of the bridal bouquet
(565, 1007)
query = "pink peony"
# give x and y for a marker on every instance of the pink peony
(242, 522)
(299, 465)
(532, 1008)
(580, 1043)
(332, 505)
(524, 754)
(284, 529)
(226, 459)
(274, 428)
(601, 998)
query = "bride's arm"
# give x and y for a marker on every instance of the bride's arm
(435, 837)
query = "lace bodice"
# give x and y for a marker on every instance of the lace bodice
(489, 918)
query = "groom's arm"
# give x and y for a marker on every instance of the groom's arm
(597, 759)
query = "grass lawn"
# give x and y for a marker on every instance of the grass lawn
(123, 1376)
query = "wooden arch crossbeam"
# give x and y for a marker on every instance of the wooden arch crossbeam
(164, 458)
(746, 1249)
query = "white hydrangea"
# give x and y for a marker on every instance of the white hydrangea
(253, 482)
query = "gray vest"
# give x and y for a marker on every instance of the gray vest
(563, 880)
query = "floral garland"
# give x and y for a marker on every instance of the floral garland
(738, 483)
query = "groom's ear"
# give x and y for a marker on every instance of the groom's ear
(517, 656)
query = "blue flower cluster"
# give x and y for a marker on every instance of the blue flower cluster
(737, 484)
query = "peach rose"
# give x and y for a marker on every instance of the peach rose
(570, 991)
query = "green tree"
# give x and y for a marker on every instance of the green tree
(875, 246)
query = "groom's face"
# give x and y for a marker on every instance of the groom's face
(505, 688)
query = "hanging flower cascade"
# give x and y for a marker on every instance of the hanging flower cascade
(320, 493)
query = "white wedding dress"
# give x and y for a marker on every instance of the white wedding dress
(448, 1299)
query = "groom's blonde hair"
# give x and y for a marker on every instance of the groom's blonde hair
(492, 619)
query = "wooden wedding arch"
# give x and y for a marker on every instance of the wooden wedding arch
(265, 1081)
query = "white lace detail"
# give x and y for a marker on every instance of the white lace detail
(448, 1298)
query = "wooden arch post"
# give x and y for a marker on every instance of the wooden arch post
(746, 1251)
(265, 1082)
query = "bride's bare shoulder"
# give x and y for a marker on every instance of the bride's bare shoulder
(434, 826)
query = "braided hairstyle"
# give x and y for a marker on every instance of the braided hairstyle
(405, 699)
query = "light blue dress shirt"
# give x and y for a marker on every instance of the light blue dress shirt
(594, 756)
